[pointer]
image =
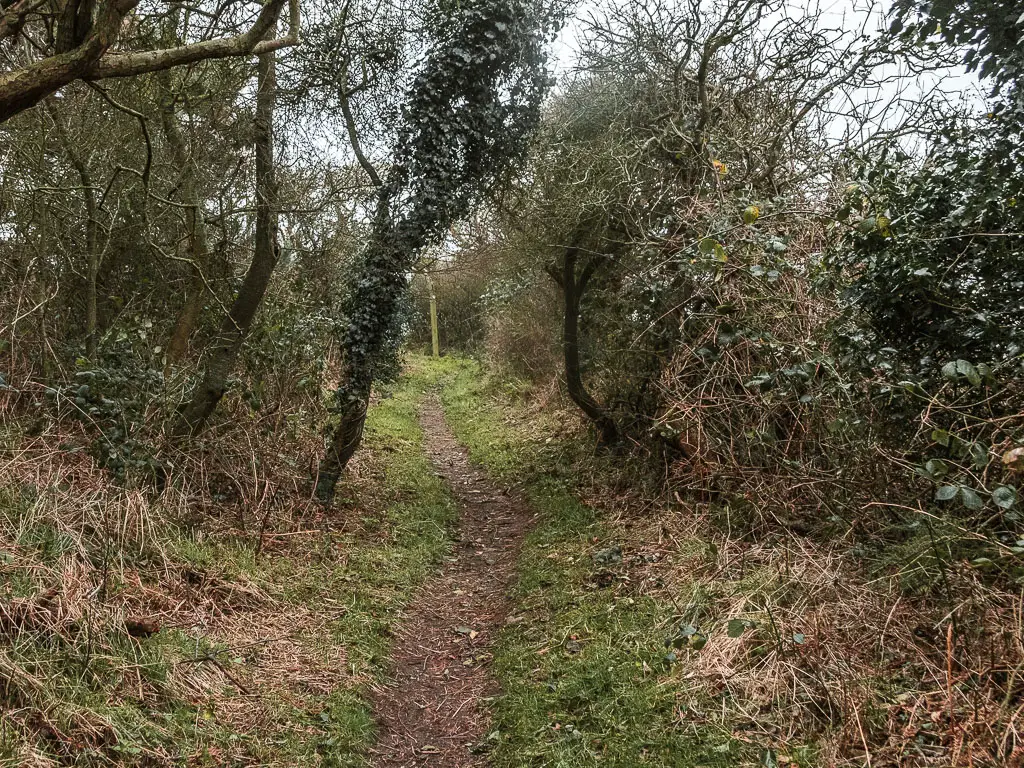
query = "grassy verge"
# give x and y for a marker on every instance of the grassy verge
(584, 664)
(130, 634)
(661, 629)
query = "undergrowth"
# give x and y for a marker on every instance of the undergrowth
(134, 632)
(658, 628)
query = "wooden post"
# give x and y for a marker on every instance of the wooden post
(433, 325)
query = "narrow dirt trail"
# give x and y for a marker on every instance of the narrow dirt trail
(434, 710)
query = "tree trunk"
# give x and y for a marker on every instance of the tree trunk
(573, 288)
(221, 359)
(372, 306)
(198, 238)
(344, 441)
(92, 239)
(188, 317)
(91, 290)
(74, 26)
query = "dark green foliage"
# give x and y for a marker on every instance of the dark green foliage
(930, 256)
(284, 359)
(987, 31)
(934, 325)
(466, 120)
(113, 397)
(933, 250)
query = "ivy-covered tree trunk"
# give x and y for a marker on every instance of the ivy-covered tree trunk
(467, 118)
(235, 327)
(372, 311)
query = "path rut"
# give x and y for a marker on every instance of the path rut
(434, 710)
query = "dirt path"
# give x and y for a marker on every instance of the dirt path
(434, 710)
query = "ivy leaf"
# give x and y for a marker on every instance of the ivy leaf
(979, 455)
(1004, 496)
(955, 369)
(971, 499)
(736, 627)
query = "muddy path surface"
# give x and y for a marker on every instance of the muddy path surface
(434, 712)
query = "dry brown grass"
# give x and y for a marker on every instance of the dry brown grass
(223, 619)
(879, 676)
(112, 579)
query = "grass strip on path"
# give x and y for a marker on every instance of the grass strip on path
(583, 663)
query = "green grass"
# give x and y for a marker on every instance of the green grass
(399, 542)
(359, 574)
(583, 669)
(584, 675)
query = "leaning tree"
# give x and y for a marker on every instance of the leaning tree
(467, 117)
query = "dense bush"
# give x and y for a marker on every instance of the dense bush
(460, 312)
(932, 252)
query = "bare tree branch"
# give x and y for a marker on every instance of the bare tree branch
(25, 87)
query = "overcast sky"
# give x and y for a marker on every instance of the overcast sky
(955, 84)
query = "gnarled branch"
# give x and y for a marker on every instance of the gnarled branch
(90, 58)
